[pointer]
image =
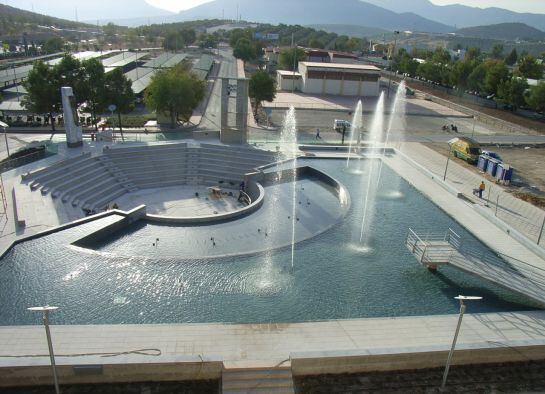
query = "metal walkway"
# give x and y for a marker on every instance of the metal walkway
(434, 250)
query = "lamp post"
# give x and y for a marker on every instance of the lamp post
(448, 160)
(5, 127)
(45, 311)
(461, 298)
(396, 33)
(473, 132)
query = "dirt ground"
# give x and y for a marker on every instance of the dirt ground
(528, 163)
(499, 378)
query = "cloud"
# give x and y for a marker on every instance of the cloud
(176, 5)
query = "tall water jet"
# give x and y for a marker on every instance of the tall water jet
(288, 138)
(396, 124)
(355, 131)
(372, 165)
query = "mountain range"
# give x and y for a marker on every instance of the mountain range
(503, 31)
(310, 12)
(461, 15)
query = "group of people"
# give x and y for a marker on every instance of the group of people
(452, 127)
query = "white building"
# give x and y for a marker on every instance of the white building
(332, 78)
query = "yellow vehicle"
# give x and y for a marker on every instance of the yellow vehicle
(466, 149)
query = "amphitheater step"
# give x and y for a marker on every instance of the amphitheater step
(258, 380)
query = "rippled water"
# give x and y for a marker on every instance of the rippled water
(332, 278)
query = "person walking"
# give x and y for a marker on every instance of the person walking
(318, 134)
(482, 187)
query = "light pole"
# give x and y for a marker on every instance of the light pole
(5, 127)
(448, 159)
(396, 33)
(461, 298)
(45, 310)
(473, 132)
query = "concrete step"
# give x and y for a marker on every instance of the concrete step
(257, 380)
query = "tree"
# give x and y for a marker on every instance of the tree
(237, 34)
(244, 49)
(528, 67)
(497, 51)
(513, 91)
(315, 43)
(69, 72)
(118, 91)
(54, 44)
(460, 74)
(175, 92)
(43, 95)
(262, 88)
(476, 78)
(496, 72)
(175, 40)
(289, 58)
(93, 87)
(512, 58)
(536, 99)
(208, 41)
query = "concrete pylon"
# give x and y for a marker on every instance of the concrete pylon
(242, 107)
(224, 102)
(74, 136)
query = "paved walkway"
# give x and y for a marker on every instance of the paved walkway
(243, 345)
(519, 214)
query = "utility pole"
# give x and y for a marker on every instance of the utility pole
(396, 33)
(294, 62)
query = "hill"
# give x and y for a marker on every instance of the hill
(310, 12)
(351, 30)
(14, 21)
(504, 31)
(461, 15)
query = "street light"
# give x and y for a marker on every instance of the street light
(45, 310)
(461, 298)
(5, 127)
(448, 160)
(396, 33)
(474, 120)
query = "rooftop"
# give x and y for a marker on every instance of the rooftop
(363, 67)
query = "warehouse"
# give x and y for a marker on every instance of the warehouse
(334, 79)
(339, 79)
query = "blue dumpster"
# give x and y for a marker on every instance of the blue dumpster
(504, 173)
(492, 166)
(483, 162)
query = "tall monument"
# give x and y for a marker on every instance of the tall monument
(71, 119)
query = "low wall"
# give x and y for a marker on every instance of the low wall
(254, 206)
(407, 358)
(122, 369)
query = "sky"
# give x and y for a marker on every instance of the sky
(537, 6)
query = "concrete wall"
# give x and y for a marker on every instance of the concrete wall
(397, 359)
(119, 369)
(340, 87)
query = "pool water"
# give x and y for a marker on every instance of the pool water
(332, 277)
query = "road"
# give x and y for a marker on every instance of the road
(212, 116)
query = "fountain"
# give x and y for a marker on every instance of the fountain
(372, 167)
(396, 124)
(288, 140)
(355, 131)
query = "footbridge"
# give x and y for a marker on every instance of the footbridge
(434, 250)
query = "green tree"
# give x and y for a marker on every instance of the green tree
(497, 51)
(512, 58)
(473, 54)
(237, 34)
(289, 58)
(54, 44)
(528, 67)
(69, 72)
(460, 74)
(496, 72)
(175, 40)
(208, 41)
(175, 92)
(536, 99)
(244, 49)
(476, 78)
(513, 91)
(262, 88)
(118, 91)
(43, 95)
(93, 87)
(316, 43)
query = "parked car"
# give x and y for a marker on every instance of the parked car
(339, 125)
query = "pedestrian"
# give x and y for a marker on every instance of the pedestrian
(318, 134)
(482, 186)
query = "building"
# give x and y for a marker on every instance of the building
(332, 78)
